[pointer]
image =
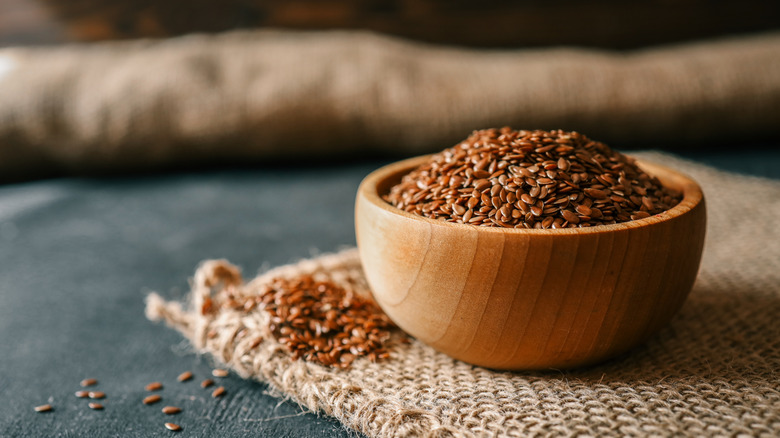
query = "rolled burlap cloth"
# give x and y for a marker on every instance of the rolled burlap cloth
(255, 96)
(714, 371)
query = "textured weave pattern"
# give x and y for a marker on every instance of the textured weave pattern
(714, 371)
(258, 96)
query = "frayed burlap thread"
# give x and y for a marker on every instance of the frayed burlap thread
(714, 371)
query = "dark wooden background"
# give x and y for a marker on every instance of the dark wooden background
(494, 23)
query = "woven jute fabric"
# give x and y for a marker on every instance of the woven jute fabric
(259, 96)
(714, 371)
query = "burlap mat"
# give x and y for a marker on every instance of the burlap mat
(257, 96)
(714, 371)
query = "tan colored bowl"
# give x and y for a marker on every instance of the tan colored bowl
(529, 299)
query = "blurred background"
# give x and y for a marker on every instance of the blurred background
(125, 163)
(495, 23)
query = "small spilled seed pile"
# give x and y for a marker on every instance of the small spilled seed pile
(318, 321)
(531, 179)
(149, 400)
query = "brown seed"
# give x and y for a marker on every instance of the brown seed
(332, 323)
(96, 406)
(43, 408)
(172, 426)
(154, 386)
(595, 193)
(583, 210)
(183, 377)
(170, 410)
(219, 392)
(97, 394)
(152, 399)
(545, 181)
(89, 382)
(555, 166)
(570, 216)
(206, 383)
(82, 394)
(223, 373)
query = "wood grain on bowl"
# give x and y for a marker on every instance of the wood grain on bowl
(529, 299)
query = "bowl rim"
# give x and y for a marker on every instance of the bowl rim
(692, 197)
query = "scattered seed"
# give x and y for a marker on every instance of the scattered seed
(43, 408)
(555, 168)
(206, 383)
(256, 342)
(219, 372)
(183, 377)
(172, 426)
(152, 399)
(319, 321)
(97, 394)
(154, 386)
(170, 410)
(82, 394)
(89, 382)
(218, 392)
(96, 406)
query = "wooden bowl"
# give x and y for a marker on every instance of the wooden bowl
(529, 299)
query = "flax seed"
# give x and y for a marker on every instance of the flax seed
(96, 406)
(183, 377)
(206, 383)
(223, 373)
(171, 410)
(154, 386)
(219, 392)
(82, 394)
(173, 426)
(97, 395)
(493, 168)
(89, 382)
(43, 408)
(334, 326)
(152, 399)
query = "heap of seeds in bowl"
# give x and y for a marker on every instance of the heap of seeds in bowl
(531, 179)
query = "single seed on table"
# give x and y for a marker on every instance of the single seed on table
(170, 410)
(82, 394)
(218, 392)
(206, 383)
(43, 408)
(172, 426)
(89, 382)
(152, 399)
(97, 394)
(154, 386)
(96, 406)
(183, 377)
(223, 373)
